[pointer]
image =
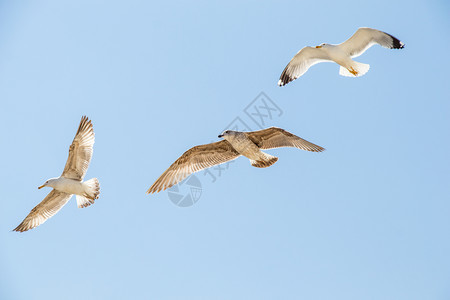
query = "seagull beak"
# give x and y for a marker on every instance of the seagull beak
(41, 187)
(318, 47)
(220, 135)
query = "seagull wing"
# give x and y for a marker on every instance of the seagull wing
(80, 152)
(275, 137)
(194, 160)
(301, 62)
(364, 38)
(51, 204)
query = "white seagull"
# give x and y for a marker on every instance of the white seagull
(342, 54)
(235, 144)
(70, 182)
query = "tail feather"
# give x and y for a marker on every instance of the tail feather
(91, 192)
(358, 67)
(267, 161)
(83, 201)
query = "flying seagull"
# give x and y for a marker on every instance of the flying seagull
(235, 144)
(70, 182)
(342, 54)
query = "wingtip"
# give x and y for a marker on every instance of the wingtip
(285, 79)
(151, 190)
(20, 229)
(396, 43)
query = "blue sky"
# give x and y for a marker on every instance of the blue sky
(366, 219)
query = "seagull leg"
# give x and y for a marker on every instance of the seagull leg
(351, 70)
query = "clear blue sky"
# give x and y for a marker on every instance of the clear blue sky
(367, 219)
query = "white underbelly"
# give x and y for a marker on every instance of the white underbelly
(341, 58)
(70, 186)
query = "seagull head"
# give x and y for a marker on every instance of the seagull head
(48, 183)
(227, 133)
(321, 45)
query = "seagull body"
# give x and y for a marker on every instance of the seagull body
(70, 182)
(67, 185)
(342, 54)
(244, 145)
(235, 144)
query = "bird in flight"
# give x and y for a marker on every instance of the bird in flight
(342, 54)
(70, 182)
(235, 144)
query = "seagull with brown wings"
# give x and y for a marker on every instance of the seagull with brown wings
(235, 144)
(70, 182)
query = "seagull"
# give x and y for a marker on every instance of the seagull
(235, 144)
(342, 54)
(70, 182)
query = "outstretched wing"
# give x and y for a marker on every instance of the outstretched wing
(275, 137)
(194, 160)
(80, 152)
(364, 38)
(301, 62)
(48, 207)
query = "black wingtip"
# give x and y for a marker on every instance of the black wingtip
(284, 79)
(396, 43)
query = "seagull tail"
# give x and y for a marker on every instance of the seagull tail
(359, 70)
(83, 201)
(91, 192)
(265, 162)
